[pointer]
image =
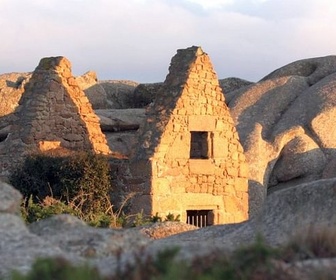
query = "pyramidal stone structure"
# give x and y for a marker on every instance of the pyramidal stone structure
(189, 160)
(53, 113)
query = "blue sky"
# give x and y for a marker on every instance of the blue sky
(135, 39)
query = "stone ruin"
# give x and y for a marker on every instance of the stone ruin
(53, 113)
(188, 160)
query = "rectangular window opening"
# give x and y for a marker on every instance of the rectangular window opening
(200, 218)
(200, 145)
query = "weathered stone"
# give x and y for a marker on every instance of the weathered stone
(165, 229)
(75, 237)
(232, 84)
(11, 90)
(313, 69)
(119, 93)
(10, 199)
(19, 248)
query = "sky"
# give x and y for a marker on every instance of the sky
(136, 39)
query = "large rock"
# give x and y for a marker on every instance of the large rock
(120, 128)
(119, 93)
(144, 94)
(95, 92)
(285, 123)
(314, 69)
(232, 84)
(74, 236)
(18, 247)
(10, 199)
(11, 89)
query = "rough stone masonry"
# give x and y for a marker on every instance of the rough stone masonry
(53, 113)
(189, 160)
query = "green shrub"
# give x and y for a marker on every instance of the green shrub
(79, 183)
(58, 269)
(171, 217)
(33, 212)
(140, 219)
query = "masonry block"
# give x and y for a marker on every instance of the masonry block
(201, 166)
(202, 123)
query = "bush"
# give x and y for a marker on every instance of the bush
(58, 269)
(79, 183)
(37, 211)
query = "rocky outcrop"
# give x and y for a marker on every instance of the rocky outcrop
(285, 212)
(88, 82)
(11, 89)
(285, 123)
(144, 94)
(108, 94)
(119, 93)
(313, 69)
(231, 84)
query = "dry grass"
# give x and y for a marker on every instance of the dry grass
(311, 243)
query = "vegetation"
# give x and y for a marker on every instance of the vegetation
(58, 269)
(140, 219)
(310, 244)
(78, 183)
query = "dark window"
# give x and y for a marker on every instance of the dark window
(200, 218)
(200, 145)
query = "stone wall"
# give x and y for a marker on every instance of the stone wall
(53, 113)
(162, 173)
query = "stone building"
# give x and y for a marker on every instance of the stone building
(189, 160)
(53, 113)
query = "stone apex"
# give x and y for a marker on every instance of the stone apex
(54, 63)
(194, 50)
(181, 64)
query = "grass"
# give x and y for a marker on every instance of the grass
(311, 243)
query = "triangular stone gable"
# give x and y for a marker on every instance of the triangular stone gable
(54, 113)
(188, 114)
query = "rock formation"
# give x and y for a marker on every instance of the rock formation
(285, 123)
(11, 89)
